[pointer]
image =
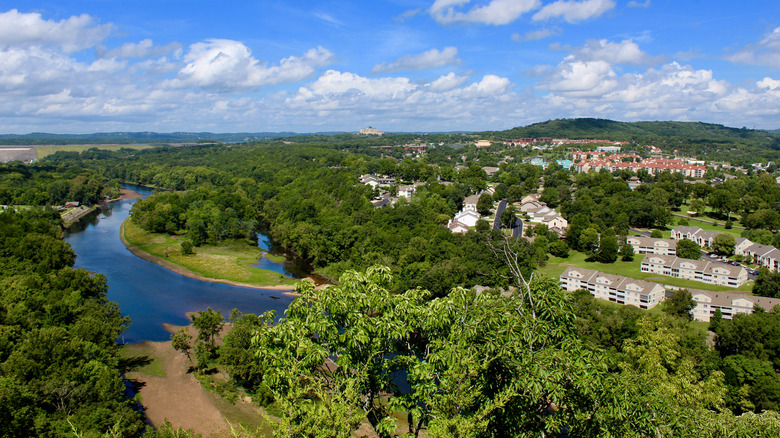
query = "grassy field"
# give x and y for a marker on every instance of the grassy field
(555, 267)
(43, 151)
(231, 260)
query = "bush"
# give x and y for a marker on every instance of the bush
(187, 248)
(656, 234)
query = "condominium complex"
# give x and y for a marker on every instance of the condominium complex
(650, 245)
(722, 274)
(615, 288)
(730, 304)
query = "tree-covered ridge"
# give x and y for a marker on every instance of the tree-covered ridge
(712, 142)
(60, 368)
(585, 128)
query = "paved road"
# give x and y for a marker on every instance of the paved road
(499, 210)
(517, 230)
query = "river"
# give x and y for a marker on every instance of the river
(150, 294)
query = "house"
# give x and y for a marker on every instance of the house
(722, 274)
(470, 203)
(457, 226)
(649, 245)
(467, 217)
(730, 304)
(406, 191)
(483, 143)
(490, 171)
(615, 288)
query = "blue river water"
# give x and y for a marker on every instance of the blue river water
(150, 294)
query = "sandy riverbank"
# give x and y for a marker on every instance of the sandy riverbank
(170, 392)
(287, 289)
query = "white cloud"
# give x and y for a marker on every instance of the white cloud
(448, 82)
(574, 11)
(141, 49)
(636, 4)
(495, 12)
(228, 64)
(29, 29)
(765, 52)
(623, 52)
(429, 59)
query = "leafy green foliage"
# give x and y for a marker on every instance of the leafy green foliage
(767, 284)
(688, 249)
(59, 362)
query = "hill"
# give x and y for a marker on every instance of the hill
(628, 131)
(707, 140)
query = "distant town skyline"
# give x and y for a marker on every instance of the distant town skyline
(397, 65)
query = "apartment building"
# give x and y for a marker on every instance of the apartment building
(615, 288)
(722, 274)
(650, 245)
(730, 304)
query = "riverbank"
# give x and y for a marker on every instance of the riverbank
(73, 215)
(170, 392)
(287, 287)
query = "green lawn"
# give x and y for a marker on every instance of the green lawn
(231, 260)
(556, 265)
(43, 151)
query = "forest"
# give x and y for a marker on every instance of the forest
(415, 350)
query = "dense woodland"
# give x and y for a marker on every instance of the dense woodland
(537, 360)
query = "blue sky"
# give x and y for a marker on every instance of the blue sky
(398, 65)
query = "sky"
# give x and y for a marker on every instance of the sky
(397, 65)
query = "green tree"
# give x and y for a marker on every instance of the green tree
(589, 241)
(187, 248)
(688, 249)
(608, 247)
(484, 204)
(767, 283)
(209, 323)
(182, 341)
(559, 248)
(477, 363)
(680, 304)
(724, 243)
(627, 252)
(715, 320)
(656, 234)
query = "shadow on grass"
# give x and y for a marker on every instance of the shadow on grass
(133, 363)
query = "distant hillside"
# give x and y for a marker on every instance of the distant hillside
(627, 131)
(704, 140)
(39, 138)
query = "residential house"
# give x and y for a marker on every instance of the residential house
(615, 288)
(741, 245)
(470, 203)
(467, 217)
(457, 226)
(722, 274)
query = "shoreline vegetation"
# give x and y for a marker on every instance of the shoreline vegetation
(229, 263)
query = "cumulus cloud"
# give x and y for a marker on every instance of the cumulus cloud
(623, 52)
(30, 29)
(141, 49)
(228, 64)
(448, 82)
(429, 59)
(574, 11)
(495, 12)
(765, 52)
